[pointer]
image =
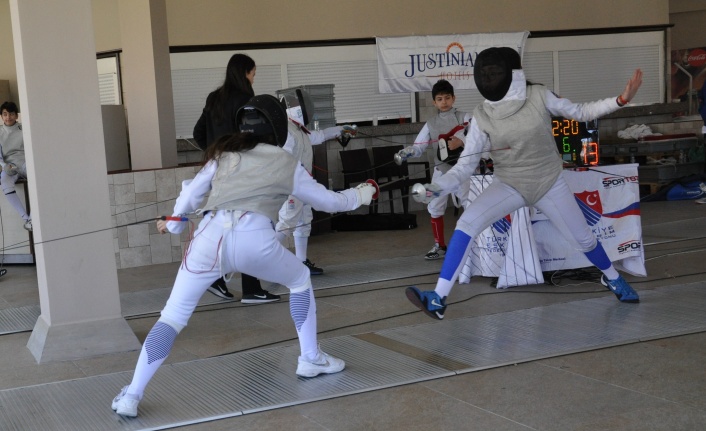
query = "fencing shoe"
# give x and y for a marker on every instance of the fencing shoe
(436, 252)
(428, 301)
(313, 269)
(125, 404)
(220, 289)
(323, 364)
(621, 289)
(262, 297)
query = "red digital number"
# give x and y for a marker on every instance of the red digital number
(591, 155)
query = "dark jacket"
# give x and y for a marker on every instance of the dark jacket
(207, 130)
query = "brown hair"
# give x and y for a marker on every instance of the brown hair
(235, 143)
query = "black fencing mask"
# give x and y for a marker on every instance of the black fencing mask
(265, 117)
(492, 71)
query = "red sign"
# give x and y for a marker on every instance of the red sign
(696, 58)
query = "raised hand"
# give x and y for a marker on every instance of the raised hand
(632, 86)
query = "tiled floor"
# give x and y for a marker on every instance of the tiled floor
(655, 385)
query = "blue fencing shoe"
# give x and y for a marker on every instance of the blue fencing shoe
(428, 301)
(621, 288)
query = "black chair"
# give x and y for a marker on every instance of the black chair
(356, 168)
(387, 171)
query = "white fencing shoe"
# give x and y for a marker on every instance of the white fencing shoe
(125, 404)
(323, 364)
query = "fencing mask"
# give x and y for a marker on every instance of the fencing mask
(492, 71)
(264, 117)
(299, 106)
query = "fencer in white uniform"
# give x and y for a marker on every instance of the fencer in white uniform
(439, 131)
(295, 216)
(247, 177)
(514, 124)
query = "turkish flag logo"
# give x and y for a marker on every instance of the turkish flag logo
(592, 200)
(591, 206)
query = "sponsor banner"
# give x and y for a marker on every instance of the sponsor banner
(415, 63)
(518, 248)
(609, 197)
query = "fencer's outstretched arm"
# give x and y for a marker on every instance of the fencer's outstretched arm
(592, 110)
(320, 198)
(414, 151)
(192, 194)
(317, 137)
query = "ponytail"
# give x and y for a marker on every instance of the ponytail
(235, 143)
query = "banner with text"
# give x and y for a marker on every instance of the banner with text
(520, 246)
(415, 63)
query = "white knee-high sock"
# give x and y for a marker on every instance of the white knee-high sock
(300, 247)
(302, 307)
(17, 205)
(157, 346)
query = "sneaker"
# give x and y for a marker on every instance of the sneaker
(313, 268)
(125, 404)
(323, 364)
(259, 298)
(621, 289)
(28, 225)
(701, 201)
(428, 301)
(435, 253)
(219, 289)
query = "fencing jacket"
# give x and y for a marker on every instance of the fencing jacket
(258, 180)
(12, 145)
(523, 148)
(442, 124)
(517, 130)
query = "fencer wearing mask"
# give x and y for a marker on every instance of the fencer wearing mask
(247, 176)
(514, 125)
(295, 216)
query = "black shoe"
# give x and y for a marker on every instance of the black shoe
(219, 289)
(259, 298)
(313, 269)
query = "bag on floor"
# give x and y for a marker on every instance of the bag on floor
(684, 188)
(363, 222)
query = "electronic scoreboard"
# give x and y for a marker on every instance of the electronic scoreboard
(577, 141)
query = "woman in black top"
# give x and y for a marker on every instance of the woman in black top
(218, 119)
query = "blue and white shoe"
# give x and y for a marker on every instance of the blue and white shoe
(621, 289)
(428, 301)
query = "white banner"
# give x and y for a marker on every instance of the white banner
(414, 63)
(609, 198)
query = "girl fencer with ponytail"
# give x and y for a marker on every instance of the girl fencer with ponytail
(247, 177)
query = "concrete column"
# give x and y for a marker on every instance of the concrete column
(63, 134)
(147, 83)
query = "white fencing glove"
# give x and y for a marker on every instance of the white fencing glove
(425, 193)
(366, 191)
(350, 130)
(403, 154)
(11, 169)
